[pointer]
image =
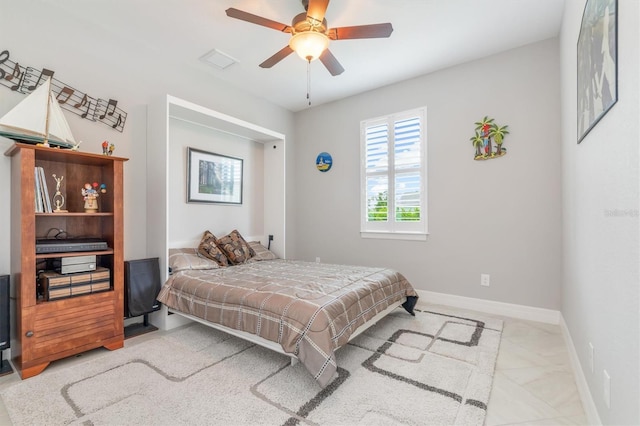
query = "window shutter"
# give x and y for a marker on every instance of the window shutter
(393, 173)
(407, 169)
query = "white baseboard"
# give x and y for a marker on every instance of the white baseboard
(491, 307)
(589, 406)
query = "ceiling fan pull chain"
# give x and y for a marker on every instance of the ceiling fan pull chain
(309, 81)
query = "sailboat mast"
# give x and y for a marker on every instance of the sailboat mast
(46, 128)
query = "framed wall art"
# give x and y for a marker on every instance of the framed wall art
(213, 178)
(597, 63)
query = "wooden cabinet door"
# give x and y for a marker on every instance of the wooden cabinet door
(65, 326)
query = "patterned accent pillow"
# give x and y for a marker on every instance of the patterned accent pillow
(209, 249)
(182, 259)
(262, 253)
(235, 248)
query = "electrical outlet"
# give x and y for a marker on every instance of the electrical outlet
(317, 260)
(591, 357)
(484, 280)
(607, 389)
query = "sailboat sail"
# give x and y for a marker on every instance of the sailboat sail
(27, 121)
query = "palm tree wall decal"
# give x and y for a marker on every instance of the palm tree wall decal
(484, 126)
(477, 142)
(498, 133)
(486, 131)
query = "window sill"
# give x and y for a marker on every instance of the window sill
(394, 236)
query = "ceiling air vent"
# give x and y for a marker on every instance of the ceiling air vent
(218, 59)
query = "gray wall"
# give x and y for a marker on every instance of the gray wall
(601, 205)
(121, 75)
(501, 217)
(195, 218)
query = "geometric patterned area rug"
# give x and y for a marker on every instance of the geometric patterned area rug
(432, 369)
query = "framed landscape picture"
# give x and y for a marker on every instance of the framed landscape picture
(597, 63)
(213, 178)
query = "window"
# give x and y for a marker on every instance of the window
(393, 176)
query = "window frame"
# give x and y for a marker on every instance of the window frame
(391, 229)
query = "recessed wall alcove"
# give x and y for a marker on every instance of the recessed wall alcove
(175, 124)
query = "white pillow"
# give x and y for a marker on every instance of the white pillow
(181, 259)
(262, 253)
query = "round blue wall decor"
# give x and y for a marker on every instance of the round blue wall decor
(324, 162)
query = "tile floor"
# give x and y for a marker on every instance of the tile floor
(533, 384)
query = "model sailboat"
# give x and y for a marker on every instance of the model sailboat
(38, 119)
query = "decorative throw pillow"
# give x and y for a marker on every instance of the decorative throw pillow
(235, 248)
(181, 259)
(209, 249)
(262, 253)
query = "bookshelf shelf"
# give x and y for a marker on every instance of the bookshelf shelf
(86, 298)
(73, 214)
(75, 253)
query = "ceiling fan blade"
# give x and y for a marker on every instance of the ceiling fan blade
(282, 53)
(331, 63)
(316, 10)
(259, 20)
(361, 31)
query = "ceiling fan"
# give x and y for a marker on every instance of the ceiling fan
(310, 35)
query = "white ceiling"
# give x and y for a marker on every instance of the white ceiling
(428, 35)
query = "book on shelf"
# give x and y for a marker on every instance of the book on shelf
(39, 205)
(45, 191)
(43, 199)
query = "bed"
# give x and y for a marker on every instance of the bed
(305, 310)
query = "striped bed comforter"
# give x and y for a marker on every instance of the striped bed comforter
(310, 309)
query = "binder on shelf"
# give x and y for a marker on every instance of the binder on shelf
(46, 197)
(43, 198)
(39, 205)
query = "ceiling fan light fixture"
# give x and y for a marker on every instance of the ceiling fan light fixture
(309, 45)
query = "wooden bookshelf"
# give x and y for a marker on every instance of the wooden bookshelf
(45, 330)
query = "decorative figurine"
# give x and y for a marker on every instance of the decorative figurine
(58, 198)
(112, 148)
(90, 197)
(105, 148)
